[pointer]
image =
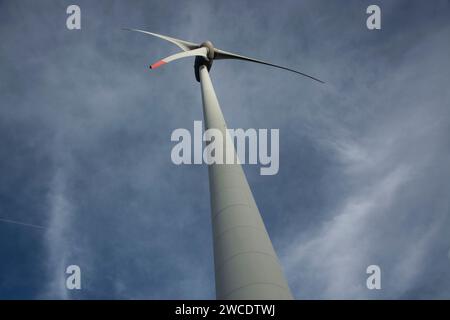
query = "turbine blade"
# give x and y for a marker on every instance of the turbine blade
(202, 52)
(184, 45)
(221, 54)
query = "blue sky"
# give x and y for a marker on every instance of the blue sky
(85, 129)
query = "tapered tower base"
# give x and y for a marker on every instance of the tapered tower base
(246, 265)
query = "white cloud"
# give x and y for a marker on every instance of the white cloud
(57, 241)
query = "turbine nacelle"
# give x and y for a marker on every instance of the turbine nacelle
(205, 53)
(206, 61)
(200, 61)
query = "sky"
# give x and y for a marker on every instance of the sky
(85, 129)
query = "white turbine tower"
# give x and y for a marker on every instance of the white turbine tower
(246, 265)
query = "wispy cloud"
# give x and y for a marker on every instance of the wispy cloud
(60, 212)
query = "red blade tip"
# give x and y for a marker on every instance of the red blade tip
(157, 64)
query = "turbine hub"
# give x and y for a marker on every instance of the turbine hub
(208, 45)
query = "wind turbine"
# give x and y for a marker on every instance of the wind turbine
(246, 265)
